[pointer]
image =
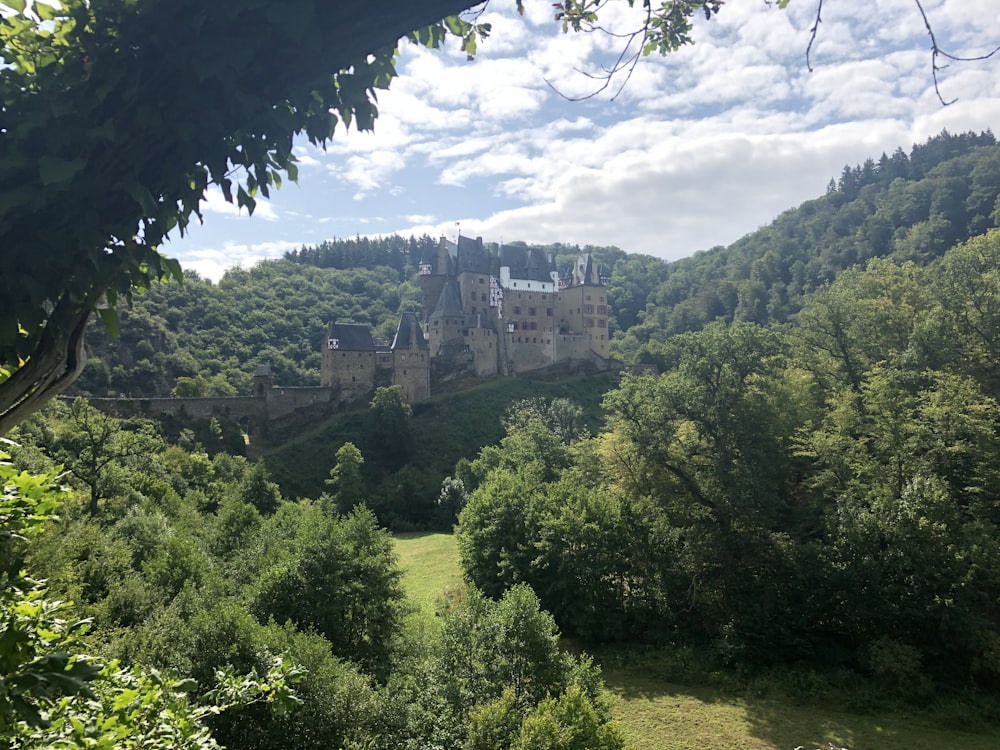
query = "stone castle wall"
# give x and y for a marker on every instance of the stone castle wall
(233, 407)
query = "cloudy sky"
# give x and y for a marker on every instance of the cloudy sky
(698, 149)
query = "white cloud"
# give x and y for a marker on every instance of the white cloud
(215, 203)
(699, 148)
(211, 263)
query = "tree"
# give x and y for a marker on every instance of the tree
(341, 580)
(52, 694)
(391, 426)
(450, 501)
(258, 490)
(92, 445)
(345, 478)
(965, 286)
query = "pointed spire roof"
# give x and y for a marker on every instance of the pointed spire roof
(449, 304)
(409, 334)
(585, 271)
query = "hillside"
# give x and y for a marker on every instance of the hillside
(905, 207)
(445, 429)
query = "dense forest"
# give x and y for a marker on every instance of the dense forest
(806, 487)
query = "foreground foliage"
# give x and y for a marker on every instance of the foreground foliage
(52, 694)
(205, 590)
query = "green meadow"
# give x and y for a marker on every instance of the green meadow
(658, 714)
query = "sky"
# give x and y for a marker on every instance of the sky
(698, 149)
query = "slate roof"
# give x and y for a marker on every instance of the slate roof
(527, 263)
(351, 337)
(472, 256)
(449, 304)
(408, 332)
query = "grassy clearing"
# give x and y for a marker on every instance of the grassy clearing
(430, 570)
(657, 714)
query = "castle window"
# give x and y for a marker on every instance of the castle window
(531, 311)
(588, 298)
(534, 340)
(602, 323)
(483, 295)
(482, 281)
(588, 309)
(354, 379)
(600, 299)
(602, 310)
(517, 309)
(404, 372)
(548, 312)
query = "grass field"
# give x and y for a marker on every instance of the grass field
(430, 570)
(657, 714)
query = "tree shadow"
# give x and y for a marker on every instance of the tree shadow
(658, 713)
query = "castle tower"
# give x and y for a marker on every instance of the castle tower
(583, 305)
(263, 381)
(348, 359)
(446, 322)
(411, 359)
(436, 267)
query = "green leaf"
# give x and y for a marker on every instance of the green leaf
(52, 169)
(173, 269)
(110, 318)
(243, 199)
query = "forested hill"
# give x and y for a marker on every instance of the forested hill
(199, 338)
(906, 207)
(396, 252)
(206, 339)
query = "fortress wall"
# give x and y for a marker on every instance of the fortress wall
(482, 344)
(283, 401)
(234, 407)
(352, 371)
(573, 346)
(412, 374)
(534, 349)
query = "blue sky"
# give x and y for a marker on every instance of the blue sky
(700, 148)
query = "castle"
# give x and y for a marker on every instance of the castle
(484, 312)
